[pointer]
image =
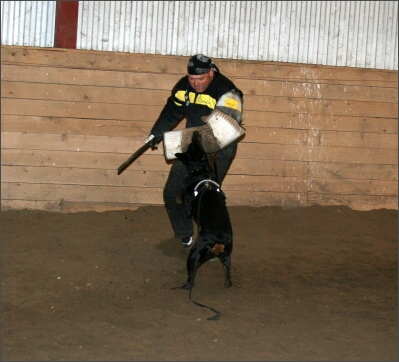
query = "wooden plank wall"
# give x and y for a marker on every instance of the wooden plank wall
(314, 134)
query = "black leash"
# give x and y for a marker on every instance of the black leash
(216, 317)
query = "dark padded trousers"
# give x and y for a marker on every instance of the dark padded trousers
(181, 224)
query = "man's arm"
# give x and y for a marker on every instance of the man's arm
(169, 117)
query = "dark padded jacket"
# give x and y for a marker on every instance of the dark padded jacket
(185, 102)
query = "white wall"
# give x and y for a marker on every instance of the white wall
(29, 23)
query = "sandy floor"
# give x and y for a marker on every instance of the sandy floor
(316, 283)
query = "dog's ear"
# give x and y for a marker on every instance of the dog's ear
(182, 156)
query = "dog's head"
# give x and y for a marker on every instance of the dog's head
(199, 168)
(195, 158)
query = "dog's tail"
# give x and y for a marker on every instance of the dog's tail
(218, 315)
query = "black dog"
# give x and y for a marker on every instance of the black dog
(206, 203)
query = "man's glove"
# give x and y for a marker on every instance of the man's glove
(231, 104)
(154, 140)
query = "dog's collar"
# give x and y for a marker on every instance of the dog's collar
(205, 182)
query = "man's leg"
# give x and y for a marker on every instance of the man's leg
(224, 158)
(181, 224)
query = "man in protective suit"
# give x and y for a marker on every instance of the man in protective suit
(194, 97)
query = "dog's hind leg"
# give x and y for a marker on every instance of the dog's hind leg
(226, 262)
(195, 259)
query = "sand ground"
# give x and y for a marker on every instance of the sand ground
(317, 283)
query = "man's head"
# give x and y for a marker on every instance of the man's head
(201, 71)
